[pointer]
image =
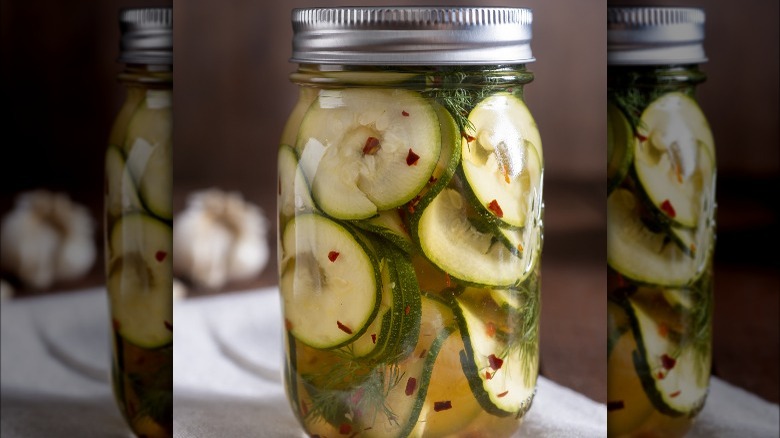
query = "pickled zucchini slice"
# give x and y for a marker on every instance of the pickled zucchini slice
(642, 254)
(294, 196)
(330, 282)
(500, 358)
(121, 194)
(451, 242)
(620, 146)
(140, 280)
(675, 377)
(389, 225)
(366, 150)
(149, 150)
(675, 161)
(502, 160)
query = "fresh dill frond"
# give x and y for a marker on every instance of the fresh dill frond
(336, 399)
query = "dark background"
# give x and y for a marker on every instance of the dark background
(232, 96)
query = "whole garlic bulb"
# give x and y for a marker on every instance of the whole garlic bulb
(219, 238)
(47, 238)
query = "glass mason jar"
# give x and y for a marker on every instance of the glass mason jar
(138, 221)
(661, 222)
(410, 222)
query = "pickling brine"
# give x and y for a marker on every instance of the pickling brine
(661, 236)
(410, 234)
(138, 240)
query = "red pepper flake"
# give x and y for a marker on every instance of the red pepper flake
(668, 362)
(288, 324)
(345, 428)
(495, 208)
(447, 279)
(641, 137)
(520, 247)
(404, 113)
(693, 248)
(674, 394)
(469, 138)
(432, 179)
(304, 408)
(423, 353)
(333, 255)
(615, 405)
(407, 309)
(372, 146)
(495, 362)
(344, 328)
(663, 330)
(411, 158)
(160, 255)
(488, 376)
(373, 338)
(168, 325)
(667, 208)
(660, 375)
(490, 329)
(411, 385)
(502, 394)
(442, 405)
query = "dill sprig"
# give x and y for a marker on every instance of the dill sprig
(459, 92)
(347, 396)
(525, 336)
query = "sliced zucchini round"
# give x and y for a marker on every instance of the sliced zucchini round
(640, 254)
(406, 397)
(620, 146)
(365, 150)
(388, 224)
(330, 282)
(121, 193)
(502, 160)
(451, 242)
(675, 163)
(675, 377)
(499, 360)
(293, 191)
(140, 280)
(149, 150)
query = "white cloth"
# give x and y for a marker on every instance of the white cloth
(227, 383)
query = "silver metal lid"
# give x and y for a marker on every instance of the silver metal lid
(147, 36)
(412, 35)
(655, 35)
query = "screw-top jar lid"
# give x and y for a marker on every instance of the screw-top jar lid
(147, 36)
(655, 35)
(412, 35)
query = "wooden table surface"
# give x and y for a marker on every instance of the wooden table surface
(573, 323)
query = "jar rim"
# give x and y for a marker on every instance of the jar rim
(412, 35)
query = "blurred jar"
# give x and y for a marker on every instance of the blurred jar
(410, 222)
(661, 222)
(138, 224)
